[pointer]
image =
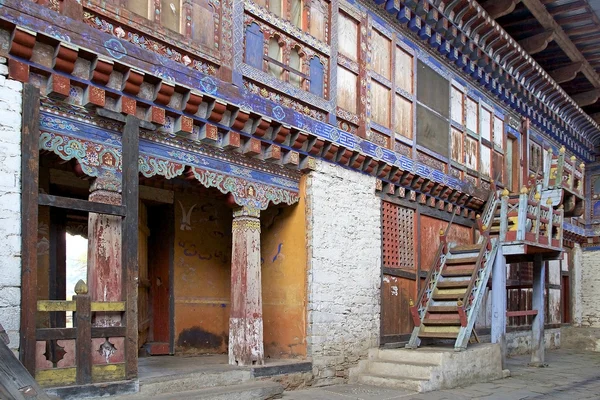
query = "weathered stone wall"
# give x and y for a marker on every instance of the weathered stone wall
(575, 266)
(10, 204)
(590, 288)
(520, 342)
(344, 236)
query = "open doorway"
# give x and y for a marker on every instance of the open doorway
(155, 244)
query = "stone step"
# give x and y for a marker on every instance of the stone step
(394, 382)
(401, 368)
(422, 356)
(261, 390)
(191, 381)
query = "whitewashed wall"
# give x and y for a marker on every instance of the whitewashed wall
(344, 270)
(10, 204)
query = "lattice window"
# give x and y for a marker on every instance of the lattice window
(398, 237)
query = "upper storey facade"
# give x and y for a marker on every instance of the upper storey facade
(429, 97)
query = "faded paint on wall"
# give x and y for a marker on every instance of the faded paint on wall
(430, 238)
(202, 274)
(284, 261)
(202, 277)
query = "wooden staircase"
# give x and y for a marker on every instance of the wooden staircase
(449, 301)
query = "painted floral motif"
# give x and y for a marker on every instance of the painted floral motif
(284, 100)
(278, 112)
(208, 85)
(57, 123)
(115, 48)
(246, 193)
(113, 45)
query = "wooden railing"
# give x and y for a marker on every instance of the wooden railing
(80, 368)
(525, 218)
(418, 310)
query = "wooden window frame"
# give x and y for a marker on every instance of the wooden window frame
(286, 11)
(396, 44)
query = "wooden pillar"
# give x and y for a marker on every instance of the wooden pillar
(104, 250)
(30, 156)
(499, 303)
(245, 321)
(537, 327)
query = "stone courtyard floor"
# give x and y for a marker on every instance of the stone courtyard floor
(569, 375)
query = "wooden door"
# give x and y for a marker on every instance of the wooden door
(399, 285)
(144, 282)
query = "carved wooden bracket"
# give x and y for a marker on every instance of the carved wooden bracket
(65, 57)
(537, 43)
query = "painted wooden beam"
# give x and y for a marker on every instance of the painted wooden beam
(499, 8)
(536, 43)
(566, 73)
(587, 98)
(562, 39)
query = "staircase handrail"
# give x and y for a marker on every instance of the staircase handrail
(485, 245)
(437, 266)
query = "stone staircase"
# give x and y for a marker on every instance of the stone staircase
(428, 369)
(218, 382)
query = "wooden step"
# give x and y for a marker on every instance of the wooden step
(442, 309)
(438, 335)
(446, 284)
(466, 248)
(442, 319)
(461, 260)
(449, 296)
(458, 271)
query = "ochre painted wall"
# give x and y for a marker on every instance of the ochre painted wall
(202, 265)
(284, 279)
(202, 281)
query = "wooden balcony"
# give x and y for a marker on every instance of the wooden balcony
(527, 226)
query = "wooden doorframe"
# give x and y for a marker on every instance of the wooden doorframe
(31, 199)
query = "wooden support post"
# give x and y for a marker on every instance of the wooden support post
(246, 321)
(499, 303)
(130, 242)
(503, 216)
(522, 214)
(83, 343)
(537, 327)
(30, 157)
(104, 244)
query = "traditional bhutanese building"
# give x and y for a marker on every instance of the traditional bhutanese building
(301, 180)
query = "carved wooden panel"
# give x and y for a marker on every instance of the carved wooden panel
(390, 234)
(498, 166)
(319, 13)
(499, 132)
(380, 104)
(486, 161)
(381, 54)
(535, 157)
(403, 73)
(457, 105)
(398, 236)
(471, 146)
(472, 115)
(347, 89)
(204, 23)
(456, 145)
(348, 36)
(170, 14)
(429, 238)
(403, 117)
(486, 124)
